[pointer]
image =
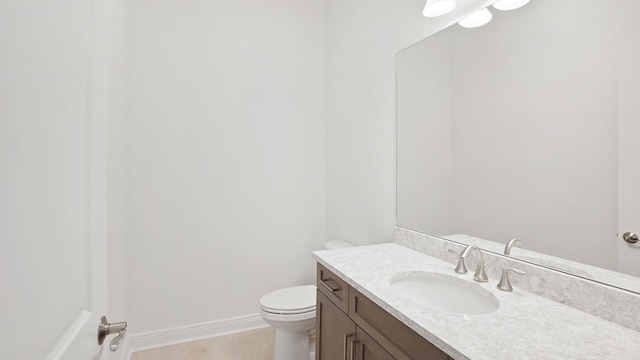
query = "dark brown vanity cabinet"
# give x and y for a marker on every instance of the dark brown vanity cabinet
(349, 326)
(338, 337)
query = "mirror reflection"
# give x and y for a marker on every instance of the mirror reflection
(517, 130)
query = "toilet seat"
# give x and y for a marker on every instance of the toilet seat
(288, 318)
(290, 301)
(288, 312)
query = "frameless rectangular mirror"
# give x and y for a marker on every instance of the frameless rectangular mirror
(516, 130)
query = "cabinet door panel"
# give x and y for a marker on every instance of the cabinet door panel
(334, 331)
(369, 349)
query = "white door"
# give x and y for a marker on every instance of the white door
(628, 140)
(52, 181)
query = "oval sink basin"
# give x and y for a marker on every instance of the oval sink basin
(443, 292)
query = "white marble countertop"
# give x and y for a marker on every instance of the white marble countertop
(525, 326)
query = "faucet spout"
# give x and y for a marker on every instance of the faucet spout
(513, 242)
(480, 275)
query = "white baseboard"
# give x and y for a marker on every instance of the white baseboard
(176, 335)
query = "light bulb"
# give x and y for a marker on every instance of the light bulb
(510, 4)
(477, 19)
(435, 8)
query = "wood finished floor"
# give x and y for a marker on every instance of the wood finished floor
(250, 345)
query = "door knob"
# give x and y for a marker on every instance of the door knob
(630, 237)
(105, 329)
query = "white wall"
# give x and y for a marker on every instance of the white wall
(226, 184)
(363, 39)
(239, 114)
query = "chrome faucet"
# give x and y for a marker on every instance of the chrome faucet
(461, 268)
(510, 244)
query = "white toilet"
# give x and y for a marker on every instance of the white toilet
(292, 311)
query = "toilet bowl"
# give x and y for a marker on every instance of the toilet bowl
(292, 312)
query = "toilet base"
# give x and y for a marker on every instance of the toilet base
(291, 345)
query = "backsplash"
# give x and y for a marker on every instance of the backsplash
(606, 302)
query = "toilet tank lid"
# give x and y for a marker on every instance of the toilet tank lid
(337, 244)
(291, 298)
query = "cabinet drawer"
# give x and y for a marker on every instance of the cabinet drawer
(398, 339)
(333, 288)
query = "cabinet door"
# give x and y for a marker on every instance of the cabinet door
(335, 332)
(397, 338)
(369, 349)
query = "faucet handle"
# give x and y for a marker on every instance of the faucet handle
(461, 268)
(505, 284)
(480, 275)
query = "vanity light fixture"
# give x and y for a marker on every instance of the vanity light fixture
(435, 8)
(510, 4)
(477, 19)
